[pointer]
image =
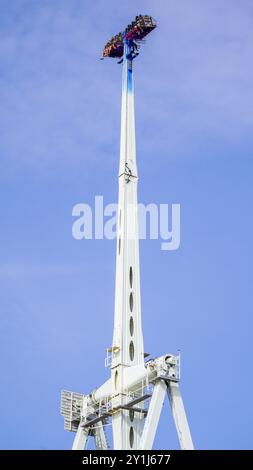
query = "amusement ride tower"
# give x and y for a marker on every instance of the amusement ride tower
(132, 398)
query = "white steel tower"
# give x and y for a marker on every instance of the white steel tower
(133, 396)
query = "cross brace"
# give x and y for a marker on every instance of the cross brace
(163, 373)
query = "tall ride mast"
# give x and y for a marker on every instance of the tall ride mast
(132, 398)
(127, 349)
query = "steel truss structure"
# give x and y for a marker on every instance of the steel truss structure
(132, 398)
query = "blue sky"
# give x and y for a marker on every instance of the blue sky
(59, 145)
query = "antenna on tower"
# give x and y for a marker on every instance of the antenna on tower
(132, 398)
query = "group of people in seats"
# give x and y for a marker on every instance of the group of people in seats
(139, 26)
(135, 30)
(114, 47)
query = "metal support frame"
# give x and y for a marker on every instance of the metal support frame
(81, 438)
(152, 419)
(161, 373)
(100, 437)
(134, 427)
(179, 415)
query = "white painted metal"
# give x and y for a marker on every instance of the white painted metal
(136, 375)
(100, 437)
(124, 395)
(179, 416)
(127, 348)
(80, 438)
(105, 402)
(153, 415)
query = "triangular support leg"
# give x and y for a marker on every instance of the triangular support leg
(81, 438)
(179, 416)
(152, 419)
(89, 410)
(100, 437)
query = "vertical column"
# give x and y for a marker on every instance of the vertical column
(127, 337)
